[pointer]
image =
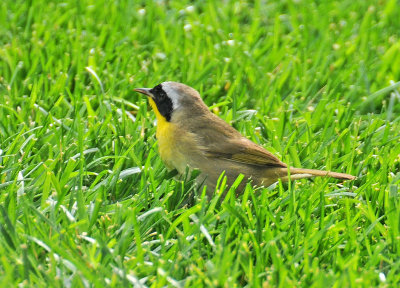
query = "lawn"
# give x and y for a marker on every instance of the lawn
(85, 200)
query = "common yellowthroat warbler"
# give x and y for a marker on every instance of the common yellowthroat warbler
(190, 135)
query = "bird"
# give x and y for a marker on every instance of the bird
(190, 136)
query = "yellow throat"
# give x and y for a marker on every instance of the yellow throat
(165, 132)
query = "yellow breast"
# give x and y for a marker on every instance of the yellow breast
(166, 136)
(166, 141)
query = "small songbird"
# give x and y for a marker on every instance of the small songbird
(189, 135)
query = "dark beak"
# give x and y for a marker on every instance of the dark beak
(145, 91)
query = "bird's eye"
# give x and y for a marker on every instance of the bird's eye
(158, 92)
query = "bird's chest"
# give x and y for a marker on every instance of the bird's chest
(170, 146)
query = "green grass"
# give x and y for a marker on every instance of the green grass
(85, 199)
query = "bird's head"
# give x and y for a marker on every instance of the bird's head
(168, 98)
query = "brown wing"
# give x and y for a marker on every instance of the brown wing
(220, 140)
(243, 151)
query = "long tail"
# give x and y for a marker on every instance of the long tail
(299, 173)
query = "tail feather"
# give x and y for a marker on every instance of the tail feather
(298, 173)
